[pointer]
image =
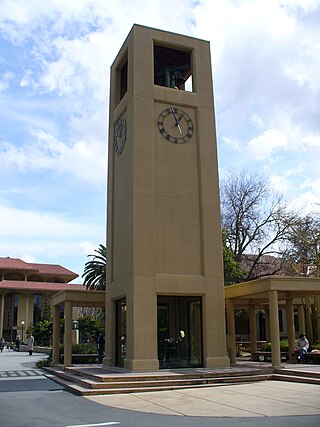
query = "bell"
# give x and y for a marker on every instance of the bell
(177, 79)
(180, 80)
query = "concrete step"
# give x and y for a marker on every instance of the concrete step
(299, 372)
(92, 380)
(78, 389)
(296, 378)
(85, 386)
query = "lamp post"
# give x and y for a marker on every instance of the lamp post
(22, 325)
(75, 332)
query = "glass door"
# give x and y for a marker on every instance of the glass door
(121, 332)
(179, 332)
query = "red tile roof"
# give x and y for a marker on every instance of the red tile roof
(15, 264)
(42, 269)
(39, 286)
(54, 270)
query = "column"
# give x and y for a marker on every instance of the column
(67, 361)
(317, 312)
(301, 319)
(253, 328)
(110, 329)
(267, 314)
(290, 326)
(142, 327)
(28, 315)
(1, 314)
(55, 334)
(231, 337)
(274, 329)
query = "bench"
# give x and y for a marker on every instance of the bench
(265, 356)
(82, 358)
(312, 358)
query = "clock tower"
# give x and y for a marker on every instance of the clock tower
(164, 295)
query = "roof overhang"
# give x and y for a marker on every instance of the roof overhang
(83, 298)
(47, 287)
(256, 292)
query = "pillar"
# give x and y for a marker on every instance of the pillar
(253, 328)
(1, 314)
(301, 319)
(274, 329)
(110, 327)
(231, 337)
(140, 356)
(267, 314)
(67, 361)
(317, 312)
(28, 315)
(55, 334)
(290, 325)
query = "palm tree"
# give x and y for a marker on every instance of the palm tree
(95, 270)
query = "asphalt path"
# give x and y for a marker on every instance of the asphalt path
(29, 398)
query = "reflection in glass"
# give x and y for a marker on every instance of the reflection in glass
(179, 332)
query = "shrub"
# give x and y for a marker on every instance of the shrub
(316, 346)
(80, 349)
(43, 363)
(284, 346)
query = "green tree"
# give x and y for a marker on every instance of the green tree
(42, 332)
(304, 256)
(95, 270)
(89, 328)
(46, 311)
(304, 236)
(233, 273)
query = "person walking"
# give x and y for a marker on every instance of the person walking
(101, 344)
(2, 344)
(30, 344)
(18, 343)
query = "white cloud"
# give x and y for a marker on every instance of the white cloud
(82, 66)
(83, 159)
(266, 61)
(263, 146)
(280, 183)
(27, 223)
(310, 185)
(285, 136)
(48, 237)
(306, 203)
(232, 143)
(5, 80)
(88, 248)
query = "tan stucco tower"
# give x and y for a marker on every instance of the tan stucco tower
(164, 297)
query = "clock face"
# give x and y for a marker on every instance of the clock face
(120, 135)
(175, 125)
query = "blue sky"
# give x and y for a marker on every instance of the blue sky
(55, 57)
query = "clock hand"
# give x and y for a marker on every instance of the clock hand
(180, 118)
(177, 121)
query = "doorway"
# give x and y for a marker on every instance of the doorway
(179, 332)
(121, 332)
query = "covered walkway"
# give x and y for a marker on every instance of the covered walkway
(69, 299)
(268, 293)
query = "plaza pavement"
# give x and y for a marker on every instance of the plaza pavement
(258, 399)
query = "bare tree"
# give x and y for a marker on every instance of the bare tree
(252, 216)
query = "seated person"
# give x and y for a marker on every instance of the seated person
(301, 348)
